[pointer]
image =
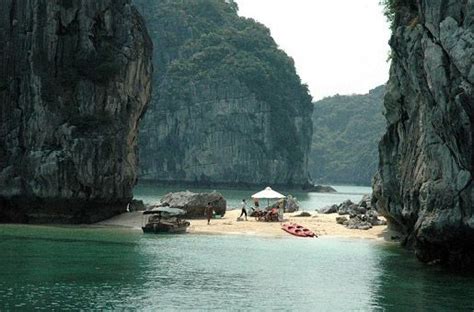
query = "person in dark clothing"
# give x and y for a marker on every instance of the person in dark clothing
(244, 209)
(256, 203)
(209, 211)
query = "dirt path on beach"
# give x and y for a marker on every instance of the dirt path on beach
(321, 224)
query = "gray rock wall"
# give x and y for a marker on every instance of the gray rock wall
(425, 182)
(217, 130)
(224, 136)
(75, 77)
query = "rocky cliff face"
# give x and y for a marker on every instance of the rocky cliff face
(228, 105)
(75, 77)
(425, 183)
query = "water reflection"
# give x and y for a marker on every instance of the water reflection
(74, 268)
(405, 284)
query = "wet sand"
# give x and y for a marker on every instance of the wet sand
(321, 224)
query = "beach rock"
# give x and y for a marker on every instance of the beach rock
(75, 77)
(195, 203)
(328, 209)
(137, 205)
(424, 186)
(303, 214)
(358, 223)
(345, 208)
(290, 203)
(366, 201)
(361, 215)
(358, 209)
(226, 111)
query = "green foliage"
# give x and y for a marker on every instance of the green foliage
(347, 130)
(390, 10)
(394, 9)
(214, 46)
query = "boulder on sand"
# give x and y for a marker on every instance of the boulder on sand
(195, 203)
(362, 215)
(328, 209)
(345, 208)
(290, 203)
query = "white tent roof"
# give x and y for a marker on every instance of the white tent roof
(268, 193)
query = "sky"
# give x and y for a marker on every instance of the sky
(339, 46)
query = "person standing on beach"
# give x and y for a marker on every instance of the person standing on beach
(256, 204)
(244, 209)
(209, 211)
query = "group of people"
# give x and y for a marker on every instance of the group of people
(209, 210)
(244, 207)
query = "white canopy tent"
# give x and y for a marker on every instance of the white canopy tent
(268, 193)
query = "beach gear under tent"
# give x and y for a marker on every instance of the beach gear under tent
(268, 194)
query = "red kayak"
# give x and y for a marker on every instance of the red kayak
(298, 230)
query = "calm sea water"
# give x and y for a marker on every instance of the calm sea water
(60, 268)
(74, 268)
(150, 193)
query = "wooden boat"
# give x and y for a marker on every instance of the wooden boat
(297, 230)
(165, 220)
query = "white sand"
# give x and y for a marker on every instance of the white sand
(321, 224)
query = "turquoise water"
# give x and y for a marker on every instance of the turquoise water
(60, 268)
(150, 193)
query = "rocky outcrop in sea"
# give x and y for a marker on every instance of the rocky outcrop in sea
(229, 108)
(424, 186)
(75, 77)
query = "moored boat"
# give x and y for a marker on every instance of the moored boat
(165, 220)
(297, 230)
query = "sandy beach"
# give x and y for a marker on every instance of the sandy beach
(321, 224)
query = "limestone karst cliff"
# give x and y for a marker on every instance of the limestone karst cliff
(228, 106)
(425, 182)
(75, 77)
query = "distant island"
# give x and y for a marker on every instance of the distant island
(346, 132)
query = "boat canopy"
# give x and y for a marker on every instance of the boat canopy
(168, 210)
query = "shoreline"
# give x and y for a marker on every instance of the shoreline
(324, 225)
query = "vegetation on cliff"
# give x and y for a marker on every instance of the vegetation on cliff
(346, 134)
(205, 46)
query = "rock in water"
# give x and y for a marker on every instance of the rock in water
(75, 78)
(230, 108)
(424, 186)
(309, 187)
(195, 203)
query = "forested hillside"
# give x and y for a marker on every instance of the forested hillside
(228, 106)
(346, 132)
